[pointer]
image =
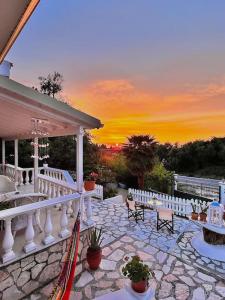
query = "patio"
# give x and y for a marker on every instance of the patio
(180, 272)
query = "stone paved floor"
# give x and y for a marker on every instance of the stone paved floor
(173, 278)
(180, 272)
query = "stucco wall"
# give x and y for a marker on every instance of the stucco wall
(23, 277)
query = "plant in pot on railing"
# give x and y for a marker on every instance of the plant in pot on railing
(194, 214)
(94, 251)
(138, 273)
(203, 213)
(89, 182)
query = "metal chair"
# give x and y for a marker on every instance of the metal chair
(135, 210)
(165, 219)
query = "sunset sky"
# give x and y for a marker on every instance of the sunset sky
(140, 66)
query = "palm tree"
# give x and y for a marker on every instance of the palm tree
(140, 154)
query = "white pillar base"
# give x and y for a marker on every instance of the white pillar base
(48, 240)
(8, 256)
(30, 247)
(65, 233)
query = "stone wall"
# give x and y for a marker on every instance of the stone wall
(24, 276)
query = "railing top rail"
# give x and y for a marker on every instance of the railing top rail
(23, 209)
(68, 177)
(13, 167)
(58, 182)
(209, 181)
(54, 169)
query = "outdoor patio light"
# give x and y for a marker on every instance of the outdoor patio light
(215, 214)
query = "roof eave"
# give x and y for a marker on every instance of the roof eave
(23, 20)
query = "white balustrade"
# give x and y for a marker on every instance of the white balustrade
(50, 235)
(29, 235)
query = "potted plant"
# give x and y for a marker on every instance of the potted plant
(94, 251)
(203, 213)
(89, 183)
(194, 214)
(138, 273)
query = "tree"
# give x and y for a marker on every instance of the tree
(52, 84)
(140, 154)
(160, 179)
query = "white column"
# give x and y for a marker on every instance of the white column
(222, 192)
(79, 154)
(3, 157)
(36, 164)
(16, 160)
(79, 170)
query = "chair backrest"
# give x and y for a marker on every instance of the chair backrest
(165, 213)
(131, 204)
(6, 185)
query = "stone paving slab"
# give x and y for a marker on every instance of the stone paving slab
(173, 278)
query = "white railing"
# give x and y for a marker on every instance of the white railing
(180, 206)
(56, 188)
(65, 176)
(54, 173)
(205, 187)
(29, 210)
(26, 176)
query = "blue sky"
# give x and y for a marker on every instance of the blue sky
(162, 49)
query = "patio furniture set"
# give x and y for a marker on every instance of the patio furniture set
(164, 216)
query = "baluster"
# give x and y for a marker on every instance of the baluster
(29, 235)
(27, 177)
(32, 176)
(89, 211)
(64, 222)
(8, 242)
(48, 228)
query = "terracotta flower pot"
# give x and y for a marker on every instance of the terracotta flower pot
(89, 185)
(194, 216)
(94, 258)
(203, 217)
(139, 287)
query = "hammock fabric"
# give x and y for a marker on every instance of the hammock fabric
(65, 279)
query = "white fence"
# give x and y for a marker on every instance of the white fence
(180, 206)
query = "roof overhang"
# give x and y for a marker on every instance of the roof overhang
(13, 16)
(20, 104)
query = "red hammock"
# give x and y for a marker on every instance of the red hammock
(64, 284)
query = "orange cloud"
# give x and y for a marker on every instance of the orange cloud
(125, 109)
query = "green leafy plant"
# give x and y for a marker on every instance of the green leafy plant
(136, 271)
(95, 238)
(92, 176)
(194, 208)
(204, 208)
(5, 205)
(109, 193)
